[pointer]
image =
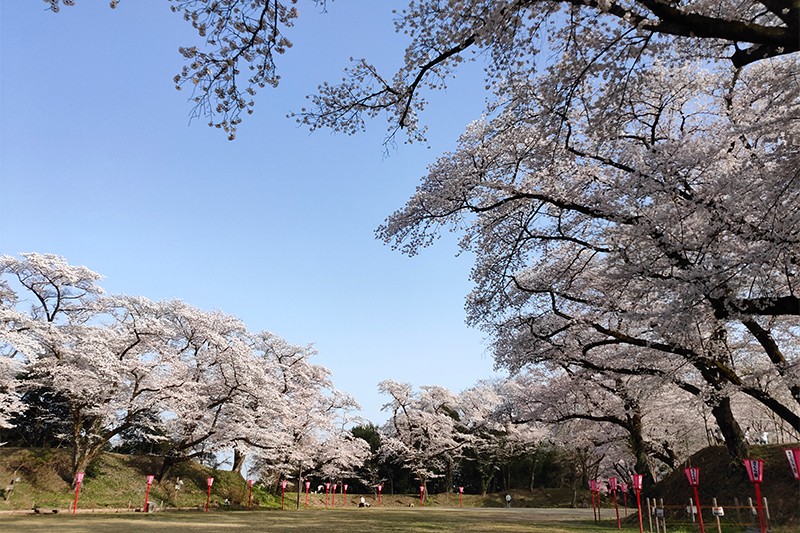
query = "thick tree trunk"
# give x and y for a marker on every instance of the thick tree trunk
(89, 438)
(238, 461)
(423, 482)
(169, 462)
(83, 453)
(486, 482)
(731, 432)
(80, 460)
(83, 456)
(639, 448)
(486, 469)
(448, 475)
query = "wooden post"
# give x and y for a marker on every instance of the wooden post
(656, 511)
(649, 516)
(663, 513)
(738, 511)
(691, 509)
(658, 520)
(655, 515)
(714, 505)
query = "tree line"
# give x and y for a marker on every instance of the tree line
(90, 372)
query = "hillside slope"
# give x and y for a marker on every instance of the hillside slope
(117, 482)
(725, 480)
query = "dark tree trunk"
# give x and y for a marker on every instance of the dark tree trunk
(731, 432)
(169, 462)
(639, 446)
(238, 461)
(449, 475)
(299, 482)
(486, 482)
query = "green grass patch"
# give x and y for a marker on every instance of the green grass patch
(411, 520)
(389, 520)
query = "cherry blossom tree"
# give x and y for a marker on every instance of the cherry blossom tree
(631, 188)
(497, 434)
(101, 353)
(10, 403)
(207, 411)
(196, 381)
(11, 321)
(39, 295)
(647, 421)
(233, 36)
(300, 426)
(340, 456)
(760, 424)
(373, 471)
(633, 184)
(237, 35)
(423, 432)
(601, 43)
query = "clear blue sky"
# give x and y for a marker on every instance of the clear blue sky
(98, 163)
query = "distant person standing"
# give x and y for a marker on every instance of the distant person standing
(508, 501)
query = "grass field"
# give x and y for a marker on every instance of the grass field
(354, 520)
(389, 520)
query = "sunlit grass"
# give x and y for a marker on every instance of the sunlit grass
(392, 520)
(361, 520)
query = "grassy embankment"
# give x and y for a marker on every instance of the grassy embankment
(117, 482)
